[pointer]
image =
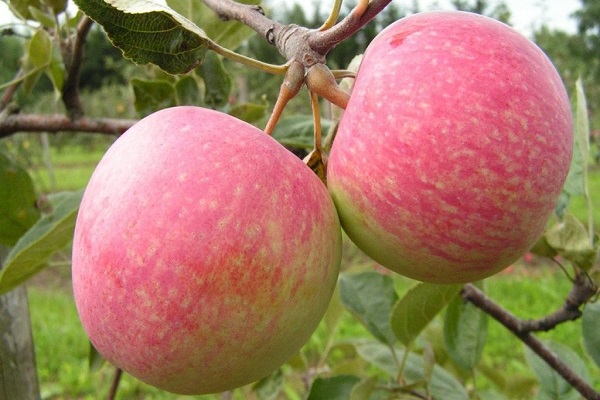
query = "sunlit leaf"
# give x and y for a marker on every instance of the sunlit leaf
(570, 239)
(591, 331)
(552, 386)
(441, 384)
(48, 235)
(22, 7)
(269, 387)
(148, 31)
(370, 297)
(18, 211)
(465, 332)
(413, 312)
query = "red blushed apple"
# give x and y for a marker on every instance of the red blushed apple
(453, 148)
(205, 254)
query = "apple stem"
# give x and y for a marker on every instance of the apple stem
(112, 393)
(316, 112)
(292, 83)
(321, 80)
(360, 8)
(316, 159)
(333, 16)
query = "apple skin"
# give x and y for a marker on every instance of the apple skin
(205, 254)
(455, 144)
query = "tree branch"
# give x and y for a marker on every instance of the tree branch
(323, 41)
(73, 56)
(516, 326)
(53, 123)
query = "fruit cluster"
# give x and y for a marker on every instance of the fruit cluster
(205, 254)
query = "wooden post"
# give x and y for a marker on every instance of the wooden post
(18, 374)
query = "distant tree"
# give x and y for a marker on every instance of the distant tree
(500, 11)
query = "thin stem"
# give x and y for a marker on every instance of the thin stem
(343, 73)
(112, 393)
(250, 62)
(316, 112)
(333, 16)
(294, 79)
(515, 325)
(360, 8)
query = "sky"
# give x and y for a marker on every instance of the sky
(526, 14)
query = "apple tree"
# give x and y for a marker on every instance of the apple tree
(205, 252)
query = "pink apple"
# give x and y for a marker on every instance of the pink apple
(453, 148)
(205, 254)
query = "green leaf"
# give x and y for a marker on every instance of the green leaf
(187, 91)
(465, 332)
(18, 211)
(217, 83)
(370, 297)
(148, 31)
(269, 387)
(152, 95)
(40, 49)
(229, 34)
(297, 131)
(50, 234)
(570, 239)
(590, 324)
(57, 6)
(47, 20)
(22, 7)
(95, 359)
(552, 385)
(333, 388)
(364, 389)
(249, 112)
(413, 312)
(441, 384)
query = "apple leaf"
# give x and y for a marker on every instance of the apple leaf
(413, 312)
(465, 332)
(18, 211)
(364, 389)
(152, 95)
(552, 385)
(148, 31)
(22, 8)
(333, 388)
(591, 331)
(570, 239)
(217, 83)
(440, 385)
(229, 34)
(187, 91)
(297, 131)
(370, 297)
(270, 386)
(48, 235)
(249, 112)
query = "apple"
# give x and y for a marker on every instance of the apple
(205, 254)
(453, 149)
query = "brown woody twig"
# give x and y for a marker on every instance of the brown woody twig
(582, 291)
